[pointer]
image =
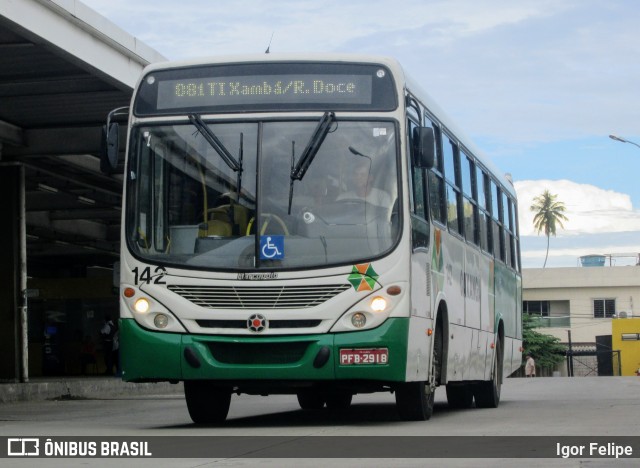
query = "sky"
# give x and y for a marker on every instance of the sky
(538, 86)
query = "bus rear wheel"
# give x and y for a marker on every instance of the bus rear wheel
(414, 401)
(487, 394)
(207, 403)
(459, 396)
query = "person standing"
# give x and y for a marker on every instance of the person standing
(116, 352)
(107, 333)
(530, 367)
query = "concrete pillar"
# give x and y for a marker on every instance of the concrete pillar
(13, 310)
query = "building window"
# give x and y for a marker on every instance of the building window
(604, 308)
(540, 308)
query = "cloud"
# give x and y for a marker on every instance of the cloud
(198, 28)
(531, 70)
(589, 209)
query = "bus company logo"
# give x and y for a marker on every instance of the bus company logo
(257, 323)
(23, 447)
(363, 277)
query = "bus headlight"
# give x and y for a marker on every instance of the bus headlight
(147, 311)
(141, 305)
(358, 320)
(161, 321)
(372, 311)
(378, 304)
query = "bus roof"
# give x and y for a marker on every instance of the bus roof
(253, 58)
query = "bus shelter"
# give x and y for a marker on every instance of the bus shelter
(63, 67)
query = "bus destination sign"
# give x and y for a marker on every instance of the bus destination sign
(253, 90)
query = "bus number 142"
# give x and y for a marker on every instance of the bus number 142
(146, 277)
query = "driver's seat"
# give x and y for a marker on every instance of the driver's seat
(217, 228)
(234, 215)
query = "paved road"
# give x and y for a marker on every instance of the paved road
(529, 407)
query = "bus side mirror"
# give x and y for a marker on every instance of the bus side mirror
(110, 148)
(425, 147)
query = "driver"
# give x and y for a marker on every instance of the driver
(362, 188)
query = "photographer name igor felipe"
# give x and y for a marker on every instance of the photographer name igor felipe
(594, 449)
(48, 447)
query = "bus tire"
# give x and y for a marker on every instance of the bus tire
(414, 401)
(459, 396)
(339, 401)
(310, 400)
(487, 394)
(207, 403)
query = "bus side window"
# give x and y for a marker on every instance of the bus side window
(510, 236)
(161, 231)
(516, 235)
(417, 178)
(497, 231)
(469, 207)
(437, 198)
(450, 153)
(484, 217)
(140, 190)
(419, 225)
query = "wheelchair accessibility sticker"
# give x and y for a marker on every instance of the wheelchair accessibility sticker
(271, 247)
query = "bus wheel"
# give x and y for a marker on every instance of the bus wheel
(339, 401)
(414, 401)
(207, 403)
(310, 400)
(487, 394)
(459, 396)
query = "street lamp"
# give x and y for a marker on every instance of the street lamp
(622, 140)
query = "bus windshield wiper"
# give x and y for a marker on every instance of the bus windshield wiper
(314, 144)
(319, 134)
(215, 142)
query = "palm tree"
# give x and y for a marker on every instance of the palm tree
(548, 214)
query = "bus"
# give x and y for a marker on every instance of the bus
(313, 226)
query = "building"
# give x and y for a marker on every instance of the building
(626, 337)
(63, 68)
(578, 304)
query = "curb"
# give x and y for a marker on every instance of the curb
(83, 388)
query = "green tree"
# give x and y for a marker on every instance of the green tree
(545, 349)
(549, 213)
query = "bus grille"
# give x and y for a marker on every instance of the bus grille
(258, 353)
(249, 297)
(242, 324)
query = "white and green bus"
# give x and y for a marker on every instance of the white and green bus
(313, 226)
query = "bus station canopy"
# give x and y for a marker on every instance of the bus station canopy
(63, 67)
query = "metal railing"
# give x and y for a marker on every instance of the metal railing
(551, 322)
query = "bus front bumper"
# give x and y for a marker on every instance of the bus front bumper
(154, 356)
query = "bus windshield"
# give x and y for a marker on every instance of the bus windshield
(189, 207)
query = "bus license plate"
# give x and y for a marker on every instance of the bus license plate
(349, 357)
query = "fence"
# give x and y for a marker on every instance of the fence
(593, 362)
(585, 360)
